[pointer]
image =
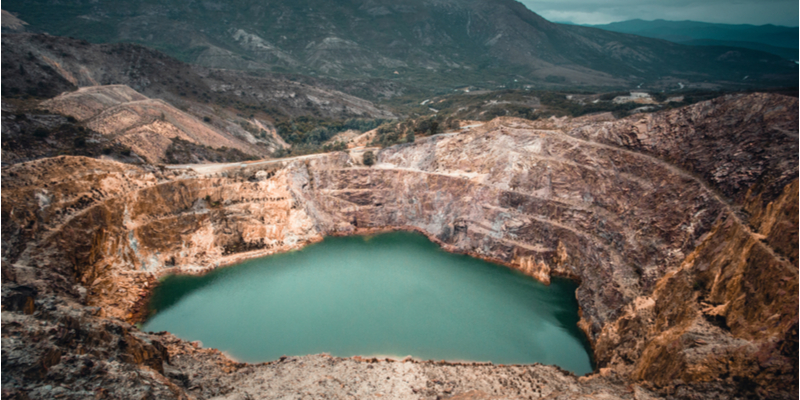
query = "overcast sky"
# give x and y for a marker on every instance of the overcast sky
(756, 12)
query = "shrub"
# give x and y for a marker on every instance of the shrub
(41, 133)
(369, 158)
(280, 153)
(211, 203)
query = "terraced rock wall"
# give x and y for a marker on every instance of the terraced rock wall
(687, 260)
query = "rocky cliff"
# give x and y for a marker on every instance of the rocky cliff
(681, 228)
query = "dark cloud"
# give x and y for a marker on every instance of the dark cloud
(756, 12)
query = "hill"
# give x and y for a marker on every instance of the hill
(146, 126)
(434, 44)
(242, 106)
(45, 66)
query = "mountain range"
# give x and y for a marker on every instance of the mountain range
(779, 40)
(435, 44)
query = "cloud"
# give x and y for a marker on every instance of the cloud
(757, 12)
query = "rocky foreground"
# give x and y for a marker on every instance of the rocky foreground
(681, 227)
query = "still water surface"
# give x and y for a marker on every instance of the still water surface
(392, 294)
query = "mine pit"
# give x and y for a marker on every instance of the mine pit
(388, 295)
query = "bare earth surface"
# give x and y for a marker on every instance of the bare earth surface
(680, 226)
(145, 125)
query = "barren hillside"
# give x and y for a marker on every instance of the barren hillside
(145, 125)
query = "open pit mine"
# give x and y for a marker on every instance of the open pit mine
(681, 228)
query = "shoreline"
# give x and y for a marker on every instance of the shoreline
(139, 311)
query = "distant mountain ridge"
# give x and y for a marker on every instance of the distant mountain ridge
(428, 43)
(781, 40)
(785, 52)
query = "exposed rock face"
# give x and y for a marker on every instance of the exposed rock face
(687, 259)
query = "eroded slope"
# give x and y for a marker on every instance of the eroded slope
(145, 125)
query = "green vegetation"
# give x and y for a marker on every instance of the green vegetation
(38, 133)
(392, 133)
(312, 130)
(301, 149)
(309, 135)
(184, 152)
(255, 130)
(559, 104)
(369, 158)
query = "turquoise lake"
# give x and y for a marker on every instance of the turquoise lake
(393, 294)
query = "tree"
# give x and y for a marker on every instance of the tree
(434, 128)
(369, 158)
(410, 137)
(41, 133)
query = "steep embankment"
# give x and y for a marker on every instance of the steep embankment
(681, 227)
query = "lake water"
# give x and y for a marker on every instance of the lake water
(392, 294)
